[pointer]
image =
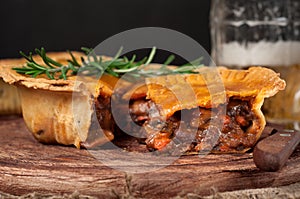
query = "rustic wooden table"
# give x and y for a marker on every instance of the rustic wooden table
(27, 166)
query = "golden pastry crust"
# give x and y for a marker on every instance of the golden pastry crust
(257, 82)
(12, 77)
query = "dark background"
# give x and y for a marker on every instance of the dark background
(58, 25)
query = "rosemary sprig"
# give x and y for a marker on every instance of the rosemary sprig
(95, 65)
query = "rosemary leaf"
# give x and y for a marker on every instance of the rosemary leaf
(49, 60)
(152, 53)
(169, 60)
(35, 66)
(195, 62)
(73, 61)
(126, 70)
(42, 53)
(97, 66)
(28, 58)
(111, 72)
(37, 73)
(49, 75)
(86, 50)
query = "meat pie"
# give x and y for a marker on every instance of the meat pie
(218, 109)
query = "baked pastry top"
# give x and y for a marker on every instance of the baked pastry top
(257, 82)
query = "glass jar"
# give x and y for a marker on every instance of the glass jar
(265, 33)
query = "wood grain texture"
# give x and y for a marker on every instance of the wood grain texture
(27, 166)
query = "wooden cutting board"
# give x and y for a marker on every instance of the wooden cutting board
(27, 166)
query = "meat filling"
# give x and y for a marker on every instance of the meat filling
(104, 119)
(190, 130)
(194, 129)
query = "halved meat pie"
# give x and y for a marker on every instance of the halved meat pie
(197, 113)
